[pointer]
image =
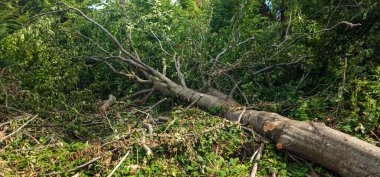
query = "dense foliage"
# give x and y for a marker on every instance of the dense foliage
(308, 60)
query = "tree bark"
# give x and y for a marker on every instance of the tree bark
(337, 151)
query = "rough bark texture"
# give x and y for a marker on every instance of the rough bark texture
(337, 151)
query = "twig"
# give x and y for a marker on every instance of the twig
(40, 147)
(241, 115)
(137, 94)
(152, 107)
(216, 59)
(118, 165)
(231, 95)
(254, 155)
(78, 167)
(297, 159)
(290, 19)
(171, 123)
(25, 124)
(375, 135)
(277, 65)
(33, 138)
(146, 147)
(149, 127)
(179, 72)
(194, 102)
(255, 165)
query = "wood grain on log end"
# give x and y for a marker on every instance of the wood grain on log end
(279, 146)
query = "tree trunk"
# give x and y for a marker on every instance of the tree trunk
(337, 151)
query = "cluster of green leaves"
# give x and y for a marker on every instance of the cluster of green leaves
(195, 144)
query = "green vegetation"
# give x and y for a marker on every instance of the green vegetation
(307, 60)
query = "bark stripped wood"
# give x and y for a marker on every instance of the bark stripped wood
(107, 103)
(339, 152)
(118, 165)
(179, 72)
(258, 156)
(147, 149)
(149, 127)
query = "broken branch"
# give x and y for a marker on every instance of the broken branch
(107, 103)
(255, 165)
(118, 165)
(180, 74)
(25, 124)
(145, 147)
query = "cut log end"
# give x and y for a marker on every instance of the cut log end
(270, 127)
(280, 146)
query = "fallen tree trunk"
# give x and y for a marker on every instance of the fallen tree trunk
(337, 151)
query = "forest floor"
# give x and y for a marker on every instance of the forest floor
(184, 142)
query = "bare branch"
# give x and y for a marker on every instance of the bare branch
(241, 114)
(96, 43)
(180, 74)
(107, 103)
(152, 107)
(195, 101)
(351, 25)
(159, 41)
(101, 27)
(138, 93)
(255, 165)
(290, 19)
(149, 127)
(78, 167)
(25, 124)
(122, 59)
(231, 95)
(137, 78)
(118, 165)
(146, 97)
(145, 147)
(224, 50)
(277, 65)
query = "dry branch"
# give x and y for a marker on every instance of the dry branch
(137, 94)
(25, 124)
(192, 103)
(230, 96)
(179, 72)
(118, 165)
(159, 102)
(149, 127)
(78, 167)
(258, 156)
(146, 147)
(107, 103)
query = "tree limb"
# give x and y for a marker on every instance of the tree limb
(180, 74)
(224, 50)
(277, 65)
